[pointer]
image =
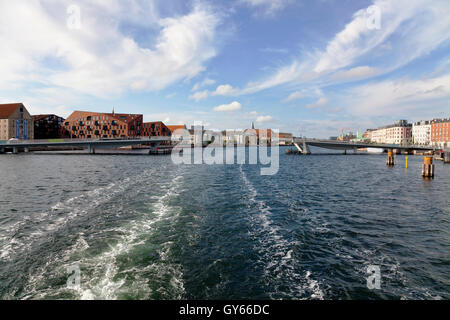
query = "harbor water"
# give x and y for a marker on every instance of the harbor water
(141, 227)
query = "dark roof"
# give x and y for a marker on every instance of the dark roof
(43, 116)
(7, 109)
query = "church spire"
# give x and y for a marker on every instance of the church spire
(253, 126)
(113, 111)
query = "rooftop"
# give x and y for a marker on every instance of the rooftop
(7, 109)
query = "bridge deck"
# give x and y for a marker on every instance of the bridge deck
(82, 143)
(342, 145)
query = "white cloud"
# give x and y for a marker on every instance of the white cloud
(399, 97)
(99, 59)
(262, 119)
(204, 83)
(225, 90)
(355, 73)
(294, 96)
(269, 7)
(409, 29)
(320, 103)
(234, 106)
(198, 96)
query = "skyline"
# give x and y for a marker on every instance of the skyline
(231, 65)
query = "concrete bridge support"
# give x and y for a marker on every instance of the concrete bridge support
(303, 149)
(447, 157)
(2, 150)
(26, 150)
(15, 150)
(91, 149)
(154, 148)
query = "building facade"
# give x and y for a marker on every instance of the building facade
(234, 137)
(93, 125)
(440, 132)
(285, 139)
(48, 126)
(399, 133)
(421, 133)
(155, 129)
(15, 122)
(368, 134)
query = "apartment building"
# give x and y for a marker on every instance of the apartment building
(15, 122)
(440, 132)
(399, 133)
(421, 132)
(155, 129)
(87, 125)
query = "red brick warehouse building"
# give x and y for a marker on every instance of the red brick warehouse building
(87, 125)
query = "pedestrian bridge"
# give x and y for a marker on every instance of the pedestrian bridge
(303, 144)
(90, 144)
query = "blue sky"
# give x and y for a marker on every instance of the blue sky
(308, 67)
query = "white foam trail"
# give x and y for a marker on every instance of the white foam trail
(276, 252)
(102, 270)
(14, 242)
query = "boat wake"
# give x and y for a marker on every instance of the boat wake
(276, 253)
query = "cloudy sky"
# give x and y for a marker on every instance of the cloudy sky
(308, 67)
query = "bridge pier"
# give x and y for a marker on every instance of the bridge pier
(304, 149)
(447, 157)
(154, 148)
(26, 150)
(2, 150)
(91, 149)
(15, 150)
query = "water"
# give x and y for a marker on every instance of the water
(140, 227)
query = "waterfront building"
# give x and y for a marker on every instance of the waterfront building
(264, 136)
(368, 134)
(174, 128)
(399, 133)
(285, 138)
(15, 122)
(421, 132)
(155, 129)
(87, 125)
(346, 137)
(48, 126)
(440, 132)
(234, 137)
